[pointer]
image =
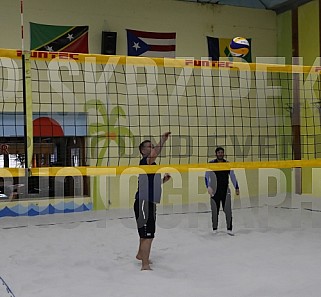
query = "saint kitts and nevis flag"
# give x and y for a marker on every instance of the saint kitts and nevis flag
(72, 39)
(219, 47)
(151, 44)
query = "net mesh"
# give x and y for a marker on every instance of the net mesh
(92, 110)
(11, 112)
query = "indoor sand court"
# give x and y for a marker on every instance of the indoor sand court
(274, 253)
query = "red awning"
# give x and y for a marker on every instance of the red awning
(47, 127)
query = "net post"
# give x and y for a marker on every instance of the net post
(26, 163)
(296, 134)
(24, 95)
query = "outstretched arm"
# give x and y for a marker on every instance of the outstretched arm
(158, 148)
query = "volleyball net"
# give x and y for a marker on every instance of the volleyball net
(92, 111)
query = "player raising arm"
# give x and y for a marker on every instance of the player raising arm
(147, 196)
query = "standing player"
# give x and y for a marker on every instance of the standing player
(217, 186)
(148, 194)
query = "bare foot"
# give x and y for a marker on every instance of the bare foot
(138, 257)
(146, 267)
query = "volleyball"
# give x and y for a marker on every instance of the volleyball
(239, 47)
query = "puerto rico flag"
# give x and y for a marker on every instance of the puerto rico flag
(151, 44)
(51, 38)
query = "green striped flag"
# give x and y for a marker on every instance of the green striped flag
(72, 39)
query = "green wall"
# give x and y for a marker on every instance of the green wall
(309, 37)
(284, 38)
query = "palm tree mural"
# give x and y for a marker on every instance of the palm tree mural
(102, 133)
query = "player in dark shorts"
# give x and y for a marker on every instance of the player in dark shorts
(147, 196)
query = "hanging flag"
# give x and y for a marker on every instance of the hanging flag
(151, 44)
(72, 39)
(219, 47)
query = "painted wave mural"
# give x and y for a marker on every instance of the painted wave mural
(35, 210)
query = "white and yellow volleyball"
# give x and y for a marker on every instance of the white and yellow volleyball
(239, 47)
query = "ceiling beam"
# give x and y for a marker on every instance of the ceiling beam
(265, 6)
(288, 5)
(278, 8)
